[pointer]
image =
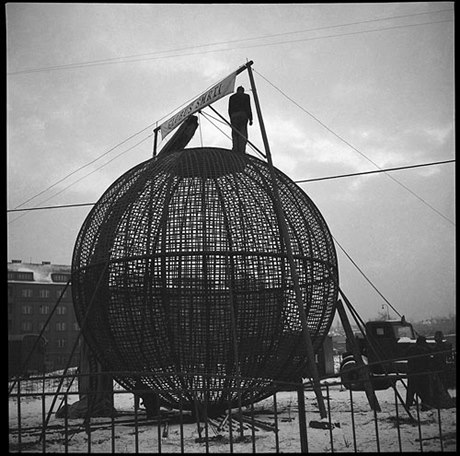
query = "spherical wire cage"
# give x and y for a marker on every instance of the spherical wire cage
(180, 275)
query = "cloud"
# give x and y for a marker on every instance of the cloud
(429, 171)
(347, 92)
(202, 70)
(408, 146)
(301, 149)
(440, 134)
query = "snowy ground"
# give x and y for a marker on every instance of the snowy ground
(122, 438)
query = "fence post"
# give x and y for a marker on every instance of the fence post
(302, 419)
(353, 421)
(440, 429)
(136, 424)
(275, 410)
(331, 436)
(397, 421)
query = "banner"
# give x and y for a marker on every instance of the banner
(216, 92)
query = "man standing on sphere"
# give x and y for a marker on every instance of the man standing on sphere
(239, 110)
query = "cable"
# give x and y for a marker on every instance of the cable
(355, 149)
(344, 34)
(84, 166)
(339, 176)
(224, 121)
(65, 177)
(365, 276)
(59, 206)
(105, 153)
(134, 57)
(86, 175)
(110, 150)
(116, 59)
(207, 116)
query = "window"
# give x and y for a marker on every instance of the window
(60, 326)
(61, 310)
(26, 326)
(380, 331)
(27, 276)
(64, 295)
(41, 325)
(44, 293)
(60, 277)
(24, 276)
(76, 326)
(61, 343)
(404, 331)
(26, 293)
(44, 309)
(26, 310)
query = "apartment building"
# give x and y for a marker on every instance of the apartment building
(33, 292)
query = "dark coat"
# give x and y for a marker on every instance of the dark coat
(240, 102)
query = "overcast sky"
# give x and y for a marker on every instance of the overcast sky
(360, 85)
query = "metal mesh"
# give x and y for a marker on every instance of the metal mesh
(181, 267)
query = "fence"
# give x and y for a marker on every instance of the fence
(287, 420)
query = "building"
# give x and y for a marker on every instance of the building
(33, 293)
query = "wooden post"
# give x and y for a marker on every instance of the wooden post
(287, 242)
(364, 372)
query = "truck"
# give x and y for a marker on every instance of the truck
(384, 349)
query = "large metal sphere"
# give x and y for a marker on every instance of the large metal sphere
(181, 268)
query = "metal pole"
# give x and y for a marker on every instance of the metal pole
(155, 141)
(364, 373)
(287, 242)
(302, 419)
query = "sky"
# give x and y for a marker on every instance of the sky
(344, 88)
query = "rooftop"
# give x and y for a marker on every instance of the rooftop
(42, 272)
